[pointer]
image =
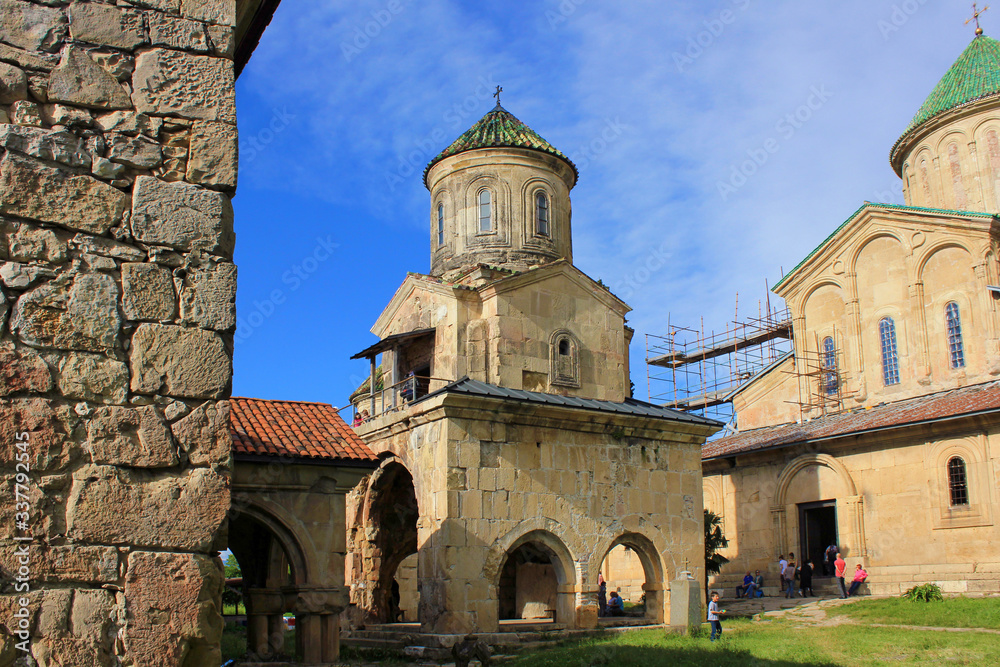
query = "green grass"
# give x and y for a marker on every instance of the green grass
(233, 609)
(960, 612)
(773, 644)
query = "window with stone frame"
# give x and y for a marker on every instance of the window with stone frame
(830, 383)
(958, 482)
(956, 348)
(890, 352)
(485, 211)
(564, 359)
(541, 214)
(440, 225)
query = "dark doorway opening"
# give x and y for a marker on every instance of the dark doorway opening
(528, 584)
(818, 530)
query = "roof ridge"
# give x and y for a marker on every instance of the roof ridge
(278, 400)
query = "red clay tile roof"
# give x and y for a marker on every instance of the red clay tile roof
(951, 403)
(294, 429)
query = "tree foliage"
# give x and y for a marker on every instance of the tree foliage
(232, 568)
(714, 541)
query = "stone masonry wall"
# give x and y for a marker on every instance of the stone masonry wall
(117, 306)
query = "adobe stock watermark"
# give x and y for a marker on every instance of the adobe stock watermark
(20, 624)
(293, 279)
(704, 39)
(251, 144)
(566, 9)
(786, 128)
(364, 33)
(433, 142)
(584, 155)
(641, 272)
(899, 16)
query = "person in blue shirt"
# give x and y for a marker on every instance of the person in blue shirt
(713, 616)
(616, 606)
(745, 588)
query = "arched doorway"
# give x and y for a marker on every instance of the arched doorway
(385, 535)
(535, 581)
(632, 567)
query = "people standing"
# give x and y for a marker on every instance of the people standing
(782, 564)
(831, 555)
(859, 578)
(806, 579)
(840, 566)
(602, 596)
(789, 575)
(713, 616)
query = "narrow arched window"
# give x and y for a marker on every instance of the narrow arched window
(485, 212)
(890, 353)
(958, 481)
(955, 348)
(564, 347)
(829, 366)
(541, 214)
(440, 225)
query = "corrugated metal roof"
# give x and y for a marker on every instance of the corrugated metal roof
(629, 406)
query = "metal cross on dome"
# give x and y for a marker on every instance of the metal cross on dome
(975, 17)
(500, 90)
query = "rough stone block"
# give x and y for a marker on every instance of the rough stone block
(182, 216)
(173, 602)
(204, 434)
(222, 12)
(38, 192)
(208, 297)
(106, 24)
(25, 113)
(177, 33)
(129, 122)
(75, 563)
(13, 84)
(113, 505)
(181, 362)
(80, 80)
(28, 243)
(30, 26)
(22, 276)
(174, 83)
(70, 313)
(138, 152)
(213, 155)
(52, 145)
(98, 245)
(50, 426)
(92, 377)
(221, 39)
(44, 62)
(148, 292)
(75, 627)
(22, 371)
(137, 437)
(60, 114)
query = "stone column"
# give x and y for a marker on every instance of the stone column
(685, 603)
(654, 601)
(917, 303)
(263, 605)
(778, 524)
(117, 312)
(317, 623)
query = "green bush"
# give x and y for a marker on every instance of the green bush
(924, 593)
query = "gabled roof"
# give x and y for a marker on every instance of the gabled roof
(629, 406)
(296, 430)
(871, 206)
(965, 401)
(974, 76)
(498, 128)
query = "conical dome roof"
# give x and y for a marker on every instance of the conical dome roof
(498, 128)
(974, 76)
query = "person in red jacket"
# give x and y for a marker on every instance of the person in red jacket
(859, 578)
(841, 566)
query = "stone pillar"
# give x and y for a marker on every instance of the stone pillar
(317, 624)
(117, 311)
(588, 611)
(264, 639)
(566, 604)
(685, 603)
(778, 524)
(654, 601)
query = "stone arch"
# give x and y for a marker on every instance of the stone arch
(277, 522)
(531, 187)
(804, 461)
(564, 358)
(933, 249)
(501, 210)
(655, 585)
(564, 568)
(867, 240)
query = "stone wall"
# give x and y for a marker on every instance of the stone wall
(117, 306)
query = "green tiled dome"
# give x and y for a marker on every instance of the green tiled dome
(499, 127)
(974, 76)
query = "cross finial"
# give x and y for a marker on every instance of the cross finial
(685, 564)
(975, 17)
(500, 90)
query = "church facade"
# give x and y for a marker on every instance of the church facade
(513, 457)
(881, 431)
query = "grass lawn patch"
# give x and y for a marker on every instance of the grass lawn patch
(959, 612)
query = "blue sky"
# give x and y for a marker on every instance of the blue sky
(344, 103)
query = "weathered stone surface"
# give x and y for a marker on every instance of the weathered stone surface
(185, 632)
(99, 263)
(74, 627)
(222, 12)
(60, 114)
(175, 361)
(30, 26)
(109, 248)
(112, 505)
(176, 83)
(22, 276)
(221, 39)
(52, 429)
(22, 371)
(204, 434)
(176, 33)
(26, 113)
(35, 191)
(40, 61)
(52, 145)
(212, 159)
(106, 24)
(168, 6)
(148, 292)
(137, 437)
(182, 216)
(81, 81)
(129, 122)
(13, 84)
(76, 563)
(92, 377)
(138, 152)
(118, 64)
(70, 313)
(4, 309)
(28, 243)
(102, 167)
(208, 297)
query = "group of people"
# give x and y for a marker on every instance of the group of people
(360, 418)
(615, 606)
(790, 572)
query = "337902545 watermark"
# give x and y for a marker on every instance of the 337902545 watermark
(20, 624)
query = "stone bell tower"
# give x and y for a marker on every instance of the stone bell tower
(499, 196)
